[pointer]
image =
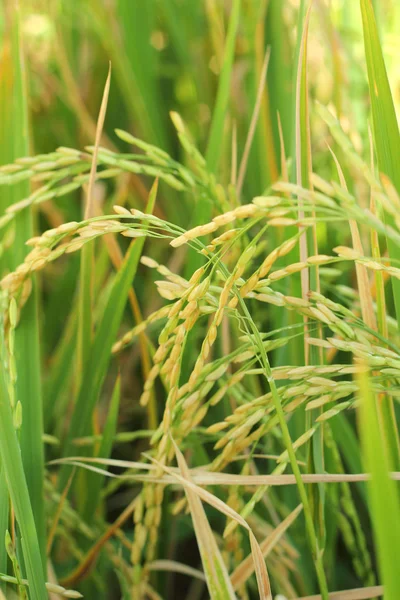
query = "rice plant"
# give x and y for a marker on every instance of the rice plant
(199, 268)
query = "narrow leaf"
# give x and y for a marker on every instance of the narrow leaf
(104, 338)
(221, 104)
(246, 567)
(385, 125)
(14, 143)
(95, 482)
(218, 581)
(383, 493)
(11, 461)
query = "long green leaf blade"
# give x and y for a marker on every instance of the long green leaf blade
(11, 461)
(218, 581)
(14, 143)
(101, 350)
(383, 493)
(385, 125)
(203, 208)
(94, 481)
(4, 502)
(217, 126)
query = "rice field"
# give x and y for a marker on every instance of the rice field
(200, 299)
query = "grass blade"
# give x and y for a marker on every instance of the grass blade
(218, 581)
(104, 338)
(383, 493)
(4, 510)
(243, 571)
(203, 208)
(309, 281)
(137, 22)
(27, 349)
(355, 594)
(89, 208)
(385, 125)
(85, 318)
(253, 124)
(217, 126)
(11, 461)
(95, 482)
(194, 493)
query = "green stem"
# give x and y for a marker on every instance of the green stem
(312, 537)
(313, 541)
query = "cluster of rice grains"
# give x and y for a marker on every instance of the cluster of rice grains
(235, 270)
(239, 267)
(212, 291)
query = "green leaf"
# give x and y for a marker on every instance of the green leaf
(218, 581)
(14, 143)
(383, 493)
(100, 354)
(94, 481)
(11, 461)
(85, 318)
(385, 125)
(4, 510)
(214, 146)
(203, 208)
